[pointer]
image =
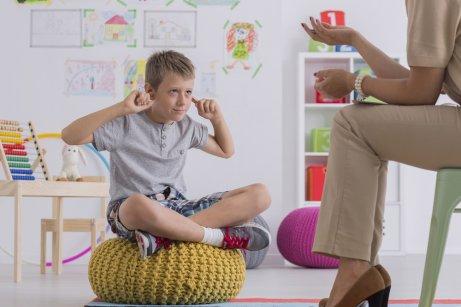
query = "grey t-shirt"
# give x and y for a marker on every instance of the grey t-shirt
(145, 156)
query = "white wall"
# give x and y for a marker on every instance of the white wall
(32, 88)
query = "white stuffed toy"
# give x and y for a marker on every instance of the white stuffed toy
(71, 156)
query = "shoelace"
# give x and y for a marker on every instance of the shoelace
(234, 241)
(163, 242)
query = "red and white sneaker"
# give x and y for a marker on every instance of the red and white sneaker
(249, 236)
(149, 244)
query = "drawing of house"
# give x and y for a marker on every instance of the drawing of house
(169, 31)
(115, 29)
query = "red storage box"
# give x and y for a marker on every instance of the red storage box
(333, 17)
(319, 98)
(315, 180)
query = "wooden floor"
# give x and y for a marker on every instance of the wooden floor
(72, 287)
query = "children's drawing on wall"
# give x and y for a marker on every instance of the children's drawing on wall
(33, 1)
(241, 47)
(90, 78)
(134, 76)
(208, 84)
(144, 2)
(78, 3)
(207, 80)
(130, 3)
(109, 28)
(56, 28)
(231, 3)
(170, 28)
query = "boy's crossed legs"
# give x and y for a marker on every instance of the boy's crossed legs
(234, 208)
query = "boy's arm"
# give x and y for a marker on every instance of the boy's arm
(221, 143)
(81, 130)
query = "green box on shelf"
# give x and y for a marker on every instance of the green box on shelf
(315, 46)
(320, 139)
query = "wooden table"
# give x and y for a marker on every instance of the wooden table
(57, 190)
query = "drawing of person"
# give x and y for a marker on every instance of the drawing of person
(241, 40)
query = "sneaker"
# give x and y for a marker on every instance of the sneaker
(249, 236)
(149, 244)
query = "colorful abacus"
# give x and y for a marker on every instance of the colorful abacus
(17, 150)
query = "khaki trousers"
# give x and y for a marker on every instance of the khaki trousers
(363, 138)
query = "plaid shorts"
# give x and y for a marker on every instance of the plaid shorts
(169, 198)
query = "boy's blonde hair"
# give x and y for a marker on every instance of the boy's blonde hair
(163, 62)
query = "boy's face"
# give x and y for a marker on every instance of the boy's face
(173, 97)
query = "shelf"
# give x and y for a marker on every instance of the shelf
(321, 115)
(317, 154)
(326, 105)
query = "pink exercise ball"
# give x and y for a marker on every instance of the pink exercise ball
(295, 238)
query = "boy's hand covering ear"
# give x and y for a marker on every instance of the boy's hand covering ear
(137, 101)
(208, 109)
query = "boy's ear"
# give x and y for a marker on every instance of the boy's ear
(150, 90)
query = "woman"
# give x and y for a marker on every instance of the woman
(409, 129)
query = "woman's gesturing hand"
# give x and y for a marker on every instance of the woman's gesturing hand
(334, 83)
(330, 35)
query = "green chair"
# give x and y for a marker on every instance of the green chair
(447, 197)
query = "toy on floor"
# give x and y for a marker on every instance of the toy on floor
(71, 156)
(21, 153)
(295, 238)
(185, 273)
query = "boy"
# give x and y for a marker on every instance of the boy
(148, 135)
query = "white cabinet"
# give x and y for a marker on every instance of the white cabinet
(319, 115)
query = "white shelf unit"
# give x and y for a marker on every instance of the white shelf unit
(315, 115)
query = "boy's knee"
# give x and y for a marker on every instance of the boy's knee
(136, 206)
(262, 198)
(136, 201)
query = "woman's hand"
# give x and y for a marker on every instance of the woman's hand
(330, 35)
(334, 83)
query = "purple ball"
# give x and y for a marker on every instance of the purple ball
(295, 238)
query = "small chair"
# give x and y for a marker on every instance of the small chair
(447, 197)
(91, 225)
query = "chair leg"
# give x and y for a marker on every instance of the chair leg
(42, 249)
(446, 199)
(102, 236)
(93, 235)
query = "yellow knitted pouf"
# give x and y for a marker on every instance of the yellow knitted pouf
(186, 273)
